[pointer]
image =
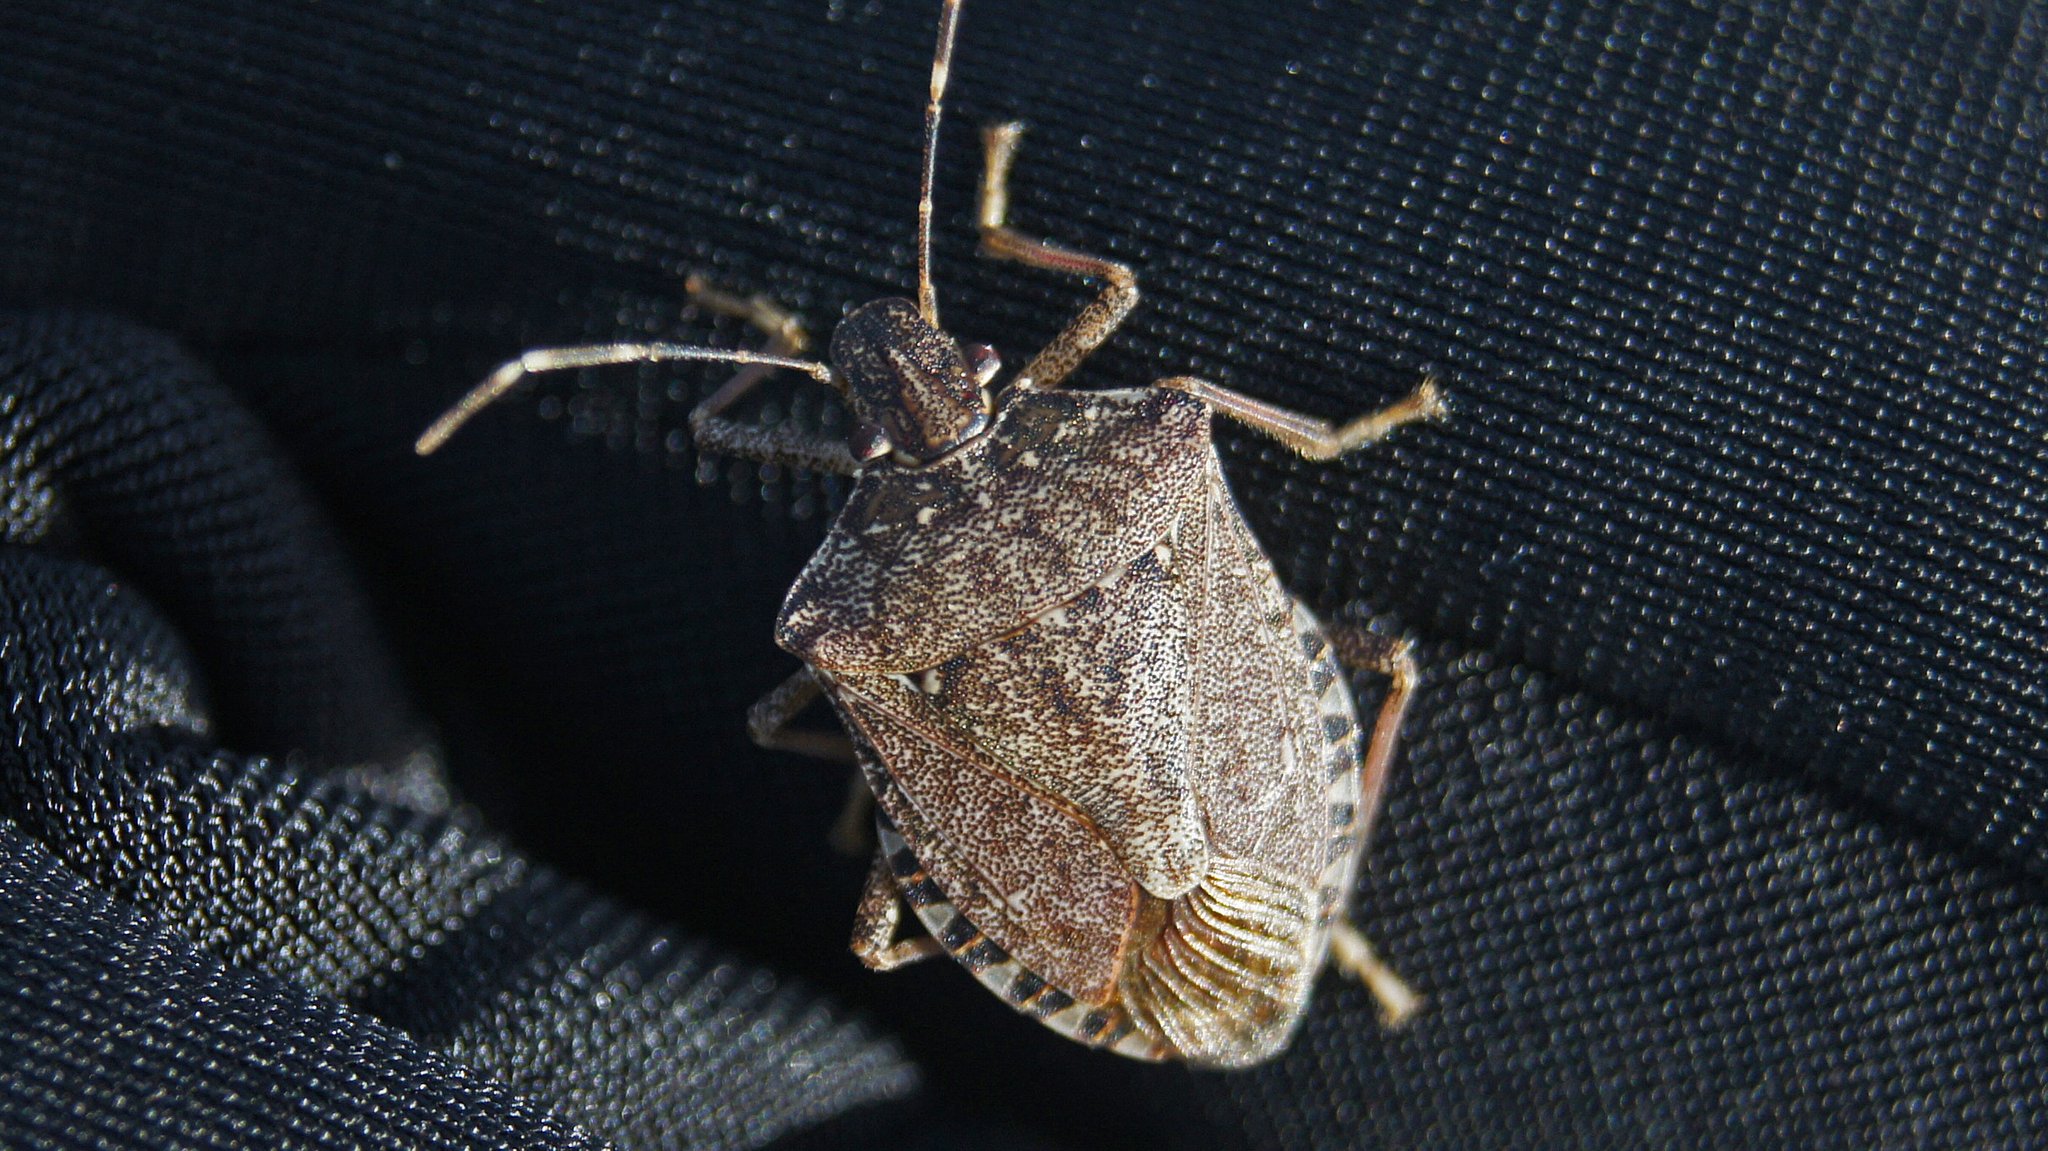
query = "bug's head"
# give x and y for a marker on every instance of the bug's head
(914, 390)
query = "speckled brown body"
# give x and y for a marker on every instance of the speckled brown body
(1120, 753)
(1118, 766)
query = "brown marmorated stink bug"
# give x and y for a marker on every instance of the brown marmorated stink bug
(1117, 765)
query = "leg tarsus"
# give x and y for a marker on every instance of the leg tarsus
(877, 920)
(1103, 315)
(1352, 955)
(998, 152)
(786, 337)
(1313, 438)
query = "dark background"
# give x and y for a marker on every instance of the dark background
(1720, 821)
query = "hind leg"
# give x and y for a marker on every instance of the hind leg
(1391, 657)
(1362, 650)
(1352, 955)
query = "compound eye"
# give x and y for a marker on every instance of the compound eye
(869, 442)
(983, 363)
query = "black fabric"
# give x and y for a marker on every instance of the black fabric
(317, 953)
(252, 1062)
(1721, 820)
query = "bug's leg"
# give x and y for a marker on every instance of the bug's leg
(1354, 956)
(769, 721)
(876, 921)
(1085, 332)
(1314, 438)
(712, 431)
(1391, 657)
(715, 432)
(786, 337)
(770, 724)
(853, 833)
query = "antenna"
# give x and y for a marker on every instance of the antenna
(592, 356)
(942, 63)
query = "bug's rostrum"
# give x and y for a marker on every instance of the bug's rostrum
(909, 379)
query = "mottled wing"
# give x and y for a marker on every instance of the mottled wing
(1025, 866)
(1091, 702)
(1259, 748)
(1225, 979)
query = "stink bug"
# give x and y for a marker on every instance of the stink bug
(1117, 768)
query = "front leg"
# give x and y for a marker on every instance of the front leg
(1085, 332)
(719, 434)
(709, 426)
(770, 722)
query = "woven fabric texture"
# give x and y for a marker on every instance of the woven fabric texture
(1723, 815)
(95, 1060)
(213, 948)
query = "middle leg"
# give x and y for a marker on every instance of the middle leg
(770, 724)
(879, 917)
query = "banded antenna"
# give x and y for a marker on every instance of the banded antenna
(942, 64)
(540, 360)
(508, 375)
